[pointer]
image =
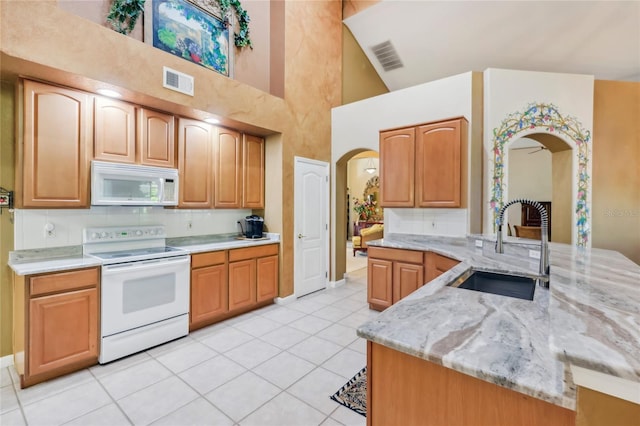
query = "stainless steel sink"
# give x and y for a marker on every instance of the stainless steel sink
(496, 283)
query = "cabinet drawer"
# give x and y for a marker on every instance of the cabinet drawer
(396, 254)
(253, 252)
(63, 281)
(208, 259)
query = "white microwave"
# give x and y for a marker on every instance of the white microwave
(115, 184)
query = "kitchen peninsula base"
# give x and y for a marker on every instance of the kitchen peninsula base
(424, 393)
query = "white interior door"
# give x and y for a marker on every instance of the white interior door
(311, 199)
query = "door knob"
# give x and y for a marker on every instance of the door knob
(300, 236)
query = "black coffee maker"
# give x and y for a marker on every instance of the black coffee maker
(253, 226)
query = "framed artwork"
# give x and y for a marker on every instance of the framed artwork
(192, 30)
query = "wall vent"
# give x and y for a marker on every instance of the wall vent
(178, 81)
(387, 55)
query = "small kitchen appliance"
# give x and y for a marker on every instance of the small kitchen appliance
(144, 289)
(253, 226)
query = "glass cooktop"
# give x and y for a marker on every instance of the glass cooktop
(139, 254)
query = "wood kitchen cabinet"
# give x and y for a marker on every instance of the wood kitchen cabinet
(209, 288)
(253, 275)
(54, 156)
(114, 130)
(55, 323)
(156, 138)
(252, 172)
(392, 274)
(437, 264)
(422, 166)
(125, 133)
(397, 167)
(195, 163)
(228, 170)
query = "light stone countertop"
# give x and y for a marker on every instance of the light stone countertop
(590, 317)
(36, 261)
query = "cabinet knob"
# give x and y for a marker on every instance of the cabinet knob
(300, 236)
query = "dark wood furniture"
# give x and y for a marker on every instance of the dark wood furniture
(531, 216)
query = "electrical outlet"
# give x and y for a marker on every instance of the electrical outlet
(49, 230)
(478, 243)
(535, 254)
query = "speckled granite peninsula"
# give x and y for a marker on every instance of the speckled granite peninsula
(590, 317)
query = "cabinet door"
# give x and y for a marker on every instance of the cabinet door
(437, 265)
(253, 172)
(379, 283)
(267, 278)
(407, 278)
(397, 166)
(114, 130)
(209, 297)
(228, 170)
(195, 140)
(438, 164)
(57, 146)
(63, 329)
(157, 139)
(242, 284)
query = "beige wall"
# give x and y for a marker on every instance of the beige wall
(6, 227)
(529, 177)
(73, 51)
(359, 79)
(616, 167)
(561, 201)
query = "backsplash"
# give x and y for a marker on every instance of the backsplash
(68, 224)
(449, 222)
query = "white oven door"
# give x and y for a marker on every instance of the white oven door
(141, 293)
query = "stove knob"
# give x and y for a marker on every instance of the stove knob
(138, 233)
(103, 235)
(152, 232)
(94, 235)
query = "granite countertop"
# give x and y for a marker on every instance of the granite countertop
(36, 261)
(589, 317)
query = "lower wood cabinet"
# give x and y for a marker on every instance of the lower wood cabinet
(209, 289)
(393, 274)
(55, 323)
(229, 282)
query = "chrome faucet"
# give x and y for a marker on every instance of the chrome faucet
(543, 280)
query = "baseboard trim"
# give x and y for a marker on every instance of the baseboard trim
(285, 300)
(6, 361)
(334, 284)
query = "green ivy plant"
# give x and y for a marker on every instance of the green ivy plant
(124, 14)
(241, 38)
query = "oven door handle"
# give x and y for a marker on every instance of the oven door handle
(144, 264)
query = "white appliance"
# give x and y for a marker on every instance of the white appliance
(133, 184)
(144, 299)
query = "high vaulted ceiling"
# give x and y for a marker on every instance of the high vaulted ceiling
(436, 39)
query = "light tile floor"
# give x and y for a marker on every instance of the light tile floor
(274, 366)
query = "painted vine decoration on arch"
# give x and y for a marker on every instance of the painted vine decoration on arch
(547, 117)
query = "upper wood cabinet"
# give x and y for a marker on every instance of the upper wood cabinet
(253, 172)
(397, 165)
(156, 138)
(53, 161)
(438, 164)
(114, 130)
(125, 133)
(195, 163)
(228, 170)
(421, 166)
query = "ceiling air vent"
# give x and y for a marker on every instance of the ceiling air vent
(178, 81)
(387, 55)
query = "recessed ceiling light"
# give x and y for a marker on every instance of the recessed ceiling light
(212, 120)
(109, 92)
